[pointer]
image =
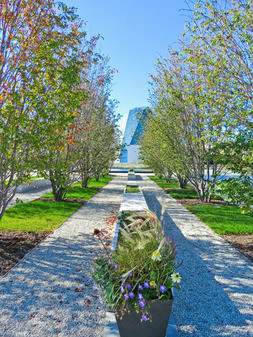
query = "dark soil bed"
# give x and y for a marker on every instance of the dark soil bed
(195, 202)
(14, 245)
(243, 243)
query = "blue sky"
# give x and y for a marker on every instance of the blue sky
(135, 32)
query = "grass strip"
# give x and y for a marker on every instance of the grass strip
(132, 189)
(224, 219)
(37, 216)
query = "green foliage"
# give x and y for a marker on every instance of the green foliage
(143, 262)
(53, 84)
(237, 191)
(201, 121)
(37, 216)
(224, 219)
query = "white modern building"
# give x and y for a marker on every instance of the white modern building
(133, 130)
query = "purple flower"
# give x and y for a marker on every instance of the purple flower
(115, 266)
(144, 318)
(146, 285)
(131, 294)
(128, 286)
(122, 289)
(140, 297)
(142, 303)
(140, 287)
(162, 289)
(123, 279)
(126, 297)
(130, 274)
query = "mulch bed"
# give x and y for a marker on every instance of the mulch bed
(14, 245)
(196, 202)
(243, 243)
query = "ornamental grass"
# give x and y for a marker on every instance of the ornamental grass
(142, 267)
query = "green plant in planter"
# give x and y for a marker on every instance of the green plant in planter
(132, 189)
(141, 269)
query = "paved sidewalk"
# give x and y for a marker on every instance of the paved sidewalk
(49, 293)
(216, 298)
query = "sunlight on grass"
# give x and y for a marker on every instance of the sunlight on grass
(37, 216)
(93, 183)
(224, 219)
(76, 193)
(183, 194)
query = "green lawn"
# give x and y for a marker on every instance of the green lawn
(46, 216)
(188, 193)
(132, 189)
(157, 179)
(162, 182)
(37, 216)
(101, 183)
(183, 194)
(224, 219)
(77, 193)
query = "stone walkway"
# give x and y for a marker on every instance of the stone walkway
(50, 294)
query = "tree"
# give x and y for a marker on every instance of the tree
(22, 26)
(188, 121)
(57, 84)
(221, 41)
(98, 137)
(154, 150)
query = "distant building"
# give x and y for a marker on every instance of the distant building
(134, 128)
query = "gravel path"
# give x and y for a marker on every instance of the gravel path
(216, 298)
(31, 191)
(49, 293)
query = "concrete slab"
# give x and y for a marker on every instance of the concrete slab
(133, 202)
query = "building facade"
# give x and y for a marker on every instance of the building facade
(133, 130)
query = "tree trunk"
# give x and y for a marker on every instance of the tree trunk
(6, 195)
(59, 191)
(182, 181)
(168, 175)
(204, 192)
(85, 180)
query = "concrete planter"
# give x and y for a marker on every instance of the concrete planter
(130, 324)
(132, 184)
(131, 177)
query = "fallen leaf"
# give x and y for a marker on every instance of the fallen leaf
(87, 303)
(78, 290)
